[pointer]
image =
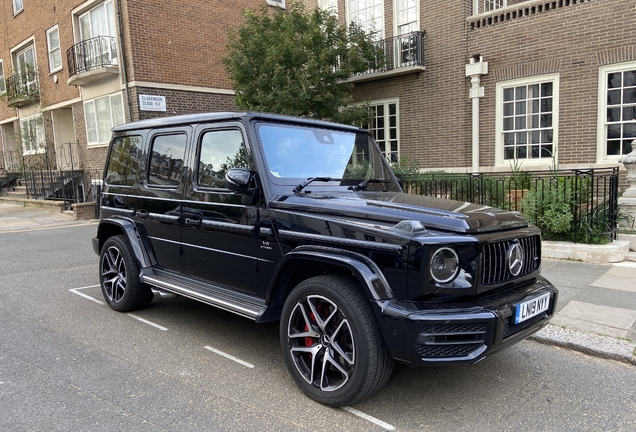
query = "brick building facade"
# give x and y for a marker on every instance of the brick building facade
(72, 69)
(551, 77)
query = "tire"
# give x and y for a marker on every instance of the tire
(119, 277)
(332, 343)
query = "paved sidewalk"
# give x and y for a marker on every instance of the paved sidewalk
(16, 217)
(596, 311)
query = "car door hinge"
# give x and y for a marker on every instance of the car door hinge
(180, 250)
(258, 267)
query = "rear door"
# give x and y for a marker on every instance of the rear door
(219, 240)
(160, 195)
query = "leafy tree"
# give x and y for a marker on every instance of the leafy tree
(297, 62)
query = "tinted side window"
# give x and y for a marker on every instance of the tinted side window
(123, 163)
(219, 151)
(166, 160)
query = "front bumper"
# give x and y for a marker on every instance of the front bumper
(420, 333)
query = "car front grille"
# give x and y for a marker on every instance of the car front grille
(450, 340)
(494, 260)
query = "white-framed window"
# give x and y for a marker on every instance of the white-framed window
(17, 6)
(97, 32)
(32, 135)
(25, 67)
(3, 85)
(491, 5)
(617, 110)
(329, 5)
(369, 14)
(98, 21)
(384, 124)
(279, 3)
(55, 52)
(406, 16)
(526, 120)
(101, 115)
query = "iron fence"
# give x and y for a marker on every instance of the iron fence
(70, 186)
(573, 205)
(53, 174)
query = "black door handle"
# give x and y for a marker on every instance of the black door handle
(143, 214)
(193, 222)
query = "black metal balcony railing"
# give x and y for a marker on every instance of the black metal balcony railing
(22, 88)
(97, 52)
(399, 52)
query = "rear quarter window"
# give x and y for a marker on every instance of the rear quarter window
(123, 162)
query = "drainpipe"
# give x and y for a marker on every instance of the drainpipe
(123, 58)
(474, 70)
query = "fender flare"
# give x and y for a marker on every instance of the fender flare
(367, 272)
(132, 233)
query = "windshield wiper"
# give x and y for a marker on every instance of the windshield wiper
(363, 184)
(311, 179)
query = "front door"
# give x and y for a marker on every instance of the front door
(219, 242)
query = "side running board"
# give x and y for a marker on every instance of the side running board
(241, 304)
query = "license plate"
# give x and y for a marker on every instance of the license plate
(530, 308)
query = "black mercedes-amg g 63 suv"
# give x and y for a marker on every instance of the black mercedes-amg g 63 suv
(280, 218)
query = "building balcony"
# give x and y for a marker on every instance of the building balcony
(23, 89)
(91, 60)
(398, 55)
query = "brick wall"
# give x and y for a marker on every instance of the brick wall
(34, 20)
(573, 41)
(173, 41)
(570, 37)
(181, 102)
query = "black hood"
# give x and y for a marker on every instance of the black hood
(389, 207)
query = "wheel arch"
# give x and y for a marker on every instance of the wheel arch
(126, 227)
(305, 262)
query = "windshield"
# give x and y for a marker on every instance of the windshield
(297, 153)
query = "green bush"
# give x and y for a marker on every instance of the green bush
(550, 207)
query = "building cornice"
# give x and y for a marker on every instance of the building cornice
(180, 87)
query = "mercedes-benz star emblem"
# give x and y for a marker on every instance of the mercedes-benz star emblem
(515, 258)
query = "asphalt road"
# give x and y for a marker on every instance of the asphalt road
(68, 362)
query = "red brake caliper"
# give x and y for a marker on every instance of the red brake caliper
(309, 341)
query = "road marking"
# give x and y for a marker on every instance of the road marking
(221, 353)
(86, 287)
(145, 321)
(369, 418)
(74, 291)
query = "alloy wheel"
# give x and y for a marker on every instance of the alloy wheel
(114, 274)
(321, 343)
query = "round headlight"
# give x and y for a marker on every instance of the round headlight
(444, 265)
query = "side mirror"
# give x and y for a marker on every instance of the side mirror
(239, 180)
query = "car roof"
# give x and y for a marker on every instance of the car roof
(226, 116)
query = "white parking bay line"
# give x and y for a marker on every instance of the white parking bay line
(227, 356)
(369, 418)
(75, 291)
(145, 321)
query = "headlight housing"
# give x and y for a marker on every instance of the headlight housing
(444, 265)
